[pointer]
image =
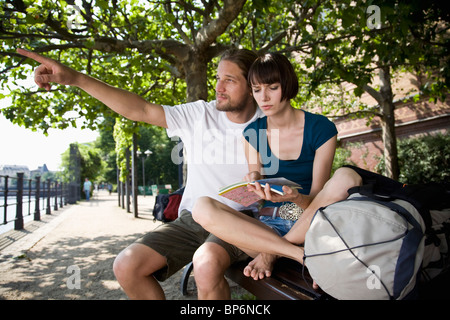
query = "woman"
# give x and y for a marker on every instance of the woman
(288, 142)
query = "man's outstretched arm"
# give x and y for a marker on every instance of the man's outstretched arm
(123, 102)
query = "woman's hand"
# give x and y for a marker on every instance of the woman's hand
(290, 194)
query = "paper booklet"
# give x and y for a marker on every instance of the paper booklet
(238, 192)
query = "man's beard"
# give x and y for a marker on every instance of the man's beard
(229, 107)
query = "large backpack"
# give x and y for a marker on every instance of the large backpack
(382, 241)
(166, 206)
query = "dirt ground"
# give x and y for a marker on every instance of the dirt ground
(69, 255)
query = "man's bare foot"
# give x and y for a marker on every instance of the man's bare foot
(260, 267)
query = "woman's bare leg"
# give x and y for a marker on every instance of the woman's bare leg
(334, 190)
(245, 232)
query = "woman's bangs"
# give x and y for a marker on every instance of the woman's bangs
(264, 72)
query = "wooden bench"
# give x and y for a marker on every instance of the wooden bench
(288, 282)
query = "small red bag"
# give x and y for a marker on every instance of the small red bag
(171, 211)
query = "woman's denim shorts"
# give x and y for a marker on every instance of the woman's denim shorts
(281, 226)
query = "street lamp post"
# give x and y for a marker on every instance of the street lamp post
(147, 153)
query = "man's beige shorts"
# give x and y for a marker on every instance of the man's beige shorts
(178, 240)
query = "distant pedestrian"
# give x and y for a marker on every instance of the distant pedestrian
(87, 188)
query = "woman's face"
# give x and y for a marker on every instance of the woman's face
(268, 97)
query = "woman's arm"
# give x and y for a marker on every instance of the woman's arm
(254, 162)
(323, 162)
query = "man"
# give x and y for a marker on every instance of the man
(212, 135)
(87, 188)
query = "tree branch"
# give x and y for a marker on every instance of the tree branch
(373, 93)
(305, 14)
(183, 35)
(208, 34)
(162, 47)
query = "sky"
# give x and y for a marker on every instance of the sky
(21, 146)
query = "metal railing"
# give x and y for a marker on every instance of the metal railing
(35, 195)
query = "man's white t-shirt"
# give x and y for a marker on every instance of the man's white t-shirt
(213, 149)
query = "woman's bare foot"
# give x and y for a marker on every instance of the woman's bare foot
(315, 285)
(260, 267)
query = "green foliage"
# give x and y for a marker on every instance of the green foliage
(345, 48)
(91, 163)
(49, 175)
(124, 130)
(423, 159)
(45, 26)
(159, 167)
(341, 158)
(138, 46)
(106, 144)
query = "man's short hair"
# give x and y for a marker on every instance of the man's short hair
(275, 68)
(243, 58)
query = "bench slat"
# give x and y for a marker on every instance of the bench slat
(288, 282)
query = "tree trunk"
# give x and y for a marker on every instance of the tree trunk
(195, 67)
(388, 125)
(134, 183)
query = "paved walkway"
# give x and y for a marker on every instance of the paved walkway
(69, 254)
(43, 260)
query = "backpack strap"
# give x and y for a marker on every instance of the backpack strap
(374, 183)
(368, 191)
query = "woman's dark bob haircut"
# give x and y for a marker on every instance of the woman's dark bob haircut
(275, 68)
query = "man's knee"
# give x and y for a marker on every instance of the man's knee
(210, 263)
(135, 261)
(123, 264)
